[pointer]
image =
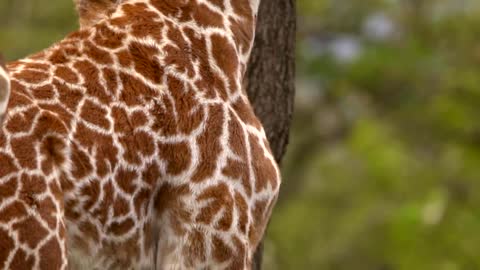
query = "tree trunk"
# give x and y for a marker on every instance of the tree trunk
(271, 77)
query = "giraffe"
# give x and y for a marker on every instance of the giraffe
(131, 144)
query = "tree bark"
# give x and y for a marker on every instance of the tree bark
(271, 77)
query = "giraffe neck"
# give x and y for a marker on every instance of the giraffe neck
(235, 20)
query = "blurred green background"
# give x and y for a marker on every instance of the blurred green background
(383, 168)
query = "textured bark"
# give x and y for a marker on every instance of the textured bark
(271, 77)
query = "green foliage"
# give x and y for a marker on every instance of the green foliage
(383, 168)
(393, 182)
(27, 26)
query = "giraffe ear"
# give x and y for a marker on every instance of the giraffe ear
(91, 12)
(4, 88)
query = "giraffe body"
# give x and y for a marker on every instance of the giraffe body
(130, 144)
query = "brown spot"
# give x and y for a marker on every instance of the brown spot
(66, 184)
(12, 211)
(242, 8)
(79, 35)
(98, 55)
(22, 122)
(179, 56)
(52, 150)
(43, 92)
(51, 255)
(80, 163)
(91, 193)
(36, 66)
(58, 57)
(209, 144)
(134, 91)
(91, 74)
(221, 251)
(32, 184)
(243, 33)
(24, 151)
(95, 114)
(47, 210)
(19, 96)
(3, 140)
(106, 151)
(205, 17)
(106, 37)
(68, 97)
(142, 198)
(143, 29)
(7, 247)
(124, 58)
(143, 57)
(242, 209)
(66, 74)
(62, 114)
(47, 123)
(121, 228)
(101, 212)
(239, 261)
(126, 180)
(239, 170)
(225, 57)
(120, 206)
(137, 145)
(30, 231)
(176, 155)
(198, 44)
(121, 123)
(211, 84)
(21, 261)
(164, 117)
(237, 137)
(8, 188)
(184, 101)
(172, 7)
(263, 168)
(111, 78)
(257, 227)
(138, 119)
(218, 197)
(56, 191)
(245, 112)
(194, 252)
(151, 175)
(32, 76)
(219, 3)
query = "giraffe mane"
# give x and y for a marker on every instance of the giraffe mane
(92, 11)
